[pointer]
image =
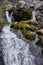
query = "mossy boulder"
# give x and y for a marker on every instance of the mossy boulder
(27, 34)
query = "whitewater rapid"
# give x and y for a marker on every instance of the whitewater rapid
(15, 50)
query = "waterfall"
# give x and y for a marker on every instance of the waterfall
(15, 51)
(9, 18)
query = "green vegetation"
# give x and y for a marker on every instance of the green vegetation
(24, 29)
(21, 25)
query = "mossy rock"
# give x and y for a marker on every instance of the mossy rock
(15, 25)
(27, 34)
(20, 25)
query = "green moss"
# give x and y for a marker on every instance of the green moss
(15, 25)
(27, 34)
(20, 25)
(24, 25)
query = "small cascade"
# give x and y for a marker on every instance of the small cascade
(15, 50)
(9, 17)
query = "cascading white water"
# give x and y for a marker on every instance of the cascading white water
(15, 50)
(9, 17)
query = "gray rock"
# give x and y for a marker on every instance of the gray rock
(35, 50)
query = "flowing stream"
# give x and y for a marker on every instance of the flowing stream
(15, 51)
